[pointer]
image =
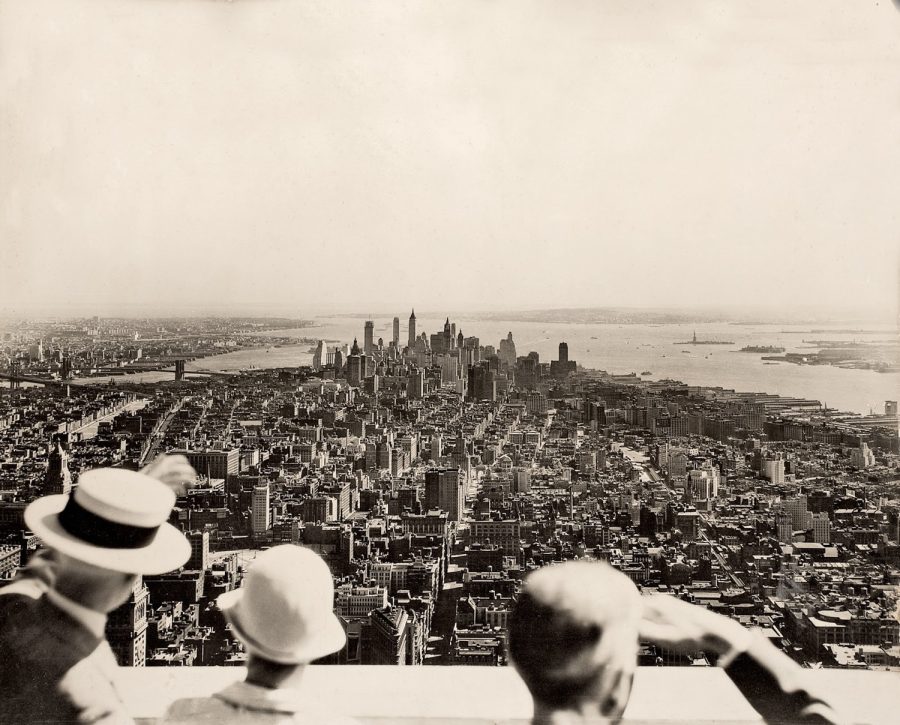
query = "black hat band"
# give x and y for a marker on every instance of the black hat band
(96, 530)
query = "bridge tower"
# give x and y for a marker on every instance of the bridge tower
(15, 370)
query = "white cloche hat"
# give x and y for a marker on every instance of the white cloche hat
(284, 610)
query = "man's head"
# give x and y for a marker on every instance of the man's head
(102, 590)
(573, 638)
(112, 528)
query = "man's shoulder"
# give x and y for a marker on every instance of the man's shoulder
(216, 710)
(32, 631)
(198, 709)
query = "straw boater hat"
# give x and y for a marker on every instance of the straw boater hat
(115, 519)
(284, 611)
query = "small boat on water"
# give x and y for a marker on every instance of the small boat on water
(647, 372)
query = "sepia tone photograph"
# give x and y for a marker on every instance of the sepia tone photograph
(472, 362)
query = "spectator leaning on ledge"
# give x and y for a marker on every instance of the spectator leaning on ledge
(573, 637)
(55, 663)
(283, 615)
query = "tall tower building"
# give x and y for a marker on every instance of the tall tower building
(563, 354)
(436, 447)
(126, 627)
(317, 355)
(369, 338)
(355, 361)
(415, 384)
(773, 468)
(821, 528)
(57, 480)
(396, 337)
(783, 528)
(797, 509)
(199, 550)
(261, 520)
(449, 337)
(508, 351)
(445, 489)
(412, 330)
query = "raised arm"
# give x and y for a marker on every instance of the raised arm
(773, 683)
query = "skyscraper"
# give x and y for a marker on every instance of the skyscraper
(415, 384)
(57, 479)
(317, 355)
(199, 550)
(126, 627)
(563, 366)
(821, 528)
(445, 490)
(508, 351)
(355, 361)
(449, 336)
(412, 330)
(797, 509)
(396, 332)
(259, 510)
(773, 468)
(436, 447)
(783, 527)
(368, 338)
(481, 382)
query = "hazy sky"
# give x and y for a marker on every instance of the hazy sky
(287, 155)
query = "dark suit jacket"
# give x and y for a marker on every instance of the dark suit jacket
(52, 669)
(776, 686)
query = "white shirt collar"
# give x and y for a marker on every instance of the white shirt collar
(95, 622)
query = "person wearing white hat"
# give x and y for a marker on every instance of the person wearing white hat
(283, 614)
(55, 663)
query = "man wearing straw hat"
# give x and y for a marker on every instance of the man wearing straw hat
(55, 663)
(283, 615)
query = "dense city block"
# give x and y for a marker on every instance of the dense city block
(434, 470)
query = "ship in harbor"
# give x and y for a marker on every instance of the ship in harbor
(695, 341)
(762, 348)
